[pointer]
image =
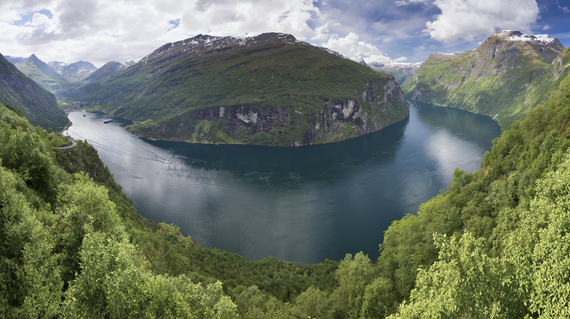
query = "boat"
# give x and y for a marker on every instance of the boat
(83, 113)
(107, 121)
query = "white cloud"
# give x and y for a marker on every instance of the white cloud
(321, 33)
(546, 27)
(400, 3)
(351, 46)
(103, 30)
(564, 9)
(467, 19)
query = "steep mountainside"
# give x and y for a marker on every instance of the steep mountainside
(41, 72)
(73, 72)
(266, 90)
(503, 78)
(37, 104)
(106, 71)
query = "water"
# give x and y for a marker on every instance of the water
(300, 204)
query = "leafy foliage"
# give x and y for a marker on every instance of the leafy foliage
(64, 250)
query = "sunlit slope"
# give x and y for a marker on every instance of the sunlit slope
(506, 76)
(268, 90)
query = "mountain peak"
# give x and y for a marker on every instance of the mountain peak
(33, 60)
(539, 39)
(206, 44)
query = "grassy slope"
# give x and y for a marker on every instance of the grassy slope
(469, 81)
(288, 77)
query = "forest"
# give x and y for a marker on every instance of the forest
(496, 243)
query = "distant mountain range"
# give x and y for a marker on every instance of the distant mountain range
(400, 70)
(266, 90)
(73, 72)
(35, 102)
(506, 76)
(106, 71)
(60, 77)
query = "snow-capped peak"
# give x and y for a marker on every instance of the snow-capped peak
(542, 39)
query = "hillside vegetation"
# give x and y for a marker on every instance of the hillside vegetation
(36, 103)
(503, 78)
(265, 90)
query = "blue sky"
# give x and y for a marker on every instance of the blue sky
(99, 31)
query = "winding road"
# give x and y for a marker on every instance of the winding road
(73, 143)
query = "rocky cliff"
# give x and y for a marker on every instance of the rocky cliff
(265, 90)
(380, 104)
(506, 76)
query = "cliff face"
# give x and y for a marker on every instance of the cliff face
(380, 104)
(503, 78)
(37, 104)
(265, 90)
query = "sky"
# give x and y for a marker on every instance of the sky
(100, 31)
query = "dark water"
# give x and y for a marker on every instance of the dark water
(300, 204)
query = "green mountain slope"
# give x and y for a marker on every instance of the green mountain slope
(40, 72)
(506, 76)
(264, 90)
(36, 103)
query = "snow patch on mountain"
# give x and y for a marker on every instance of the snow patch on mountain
(204, 44)
(541, 39)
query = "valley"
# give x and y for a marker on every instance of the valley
(367, 205)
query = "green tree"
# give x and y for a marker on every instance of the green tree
(464, 282)
(30, 280)
(312, 303)
(540, 247)
(353, 276)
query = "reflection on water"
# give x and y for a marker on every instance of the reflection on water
(300, 204)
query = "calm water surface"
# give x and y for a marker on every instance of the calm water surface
(300, 204)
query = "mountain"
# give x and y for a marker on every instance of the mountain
(107, 70)
(361, 61)
(400, 70)
(265, 90)
(36, 103)
(506, 76)
(42, 73)
(73, 72)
